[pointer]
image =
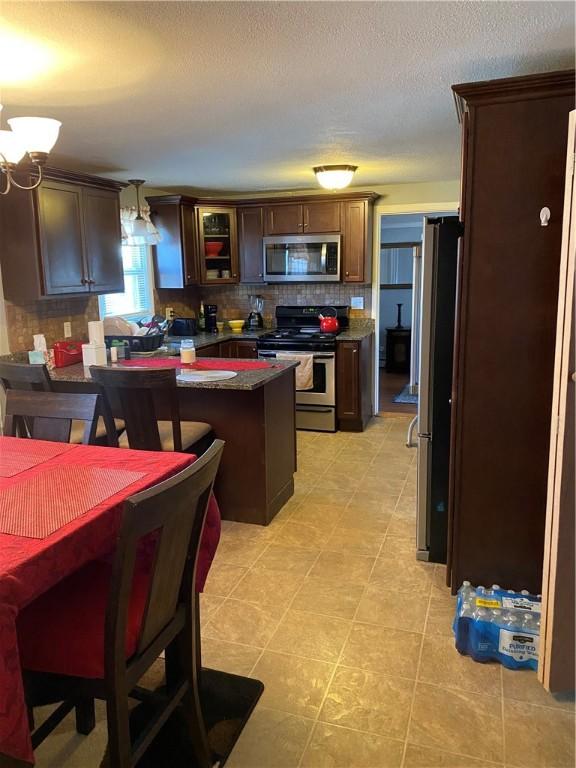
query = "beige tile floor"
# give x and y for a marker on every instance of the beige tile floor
(352, 637)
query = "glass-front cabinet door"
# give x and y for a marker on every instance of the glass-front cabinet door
(218, 245)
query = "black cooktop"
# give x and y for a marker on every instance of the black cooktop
(299, 334)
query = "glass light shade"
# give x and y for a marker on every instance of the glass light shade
(138, 227)
(38, 134)
(11, 147)
(335, 176)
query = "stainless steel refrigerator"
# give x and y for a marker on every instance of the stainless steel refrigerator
(437, 314)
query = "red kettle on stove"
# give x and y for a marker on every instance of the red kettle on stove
(329, 323)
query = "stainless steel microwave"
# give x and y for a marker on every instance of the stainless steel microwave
(302, 258)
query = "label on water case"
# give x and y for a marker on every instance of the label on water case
(486, 602)
(519, 645)
(522, 603)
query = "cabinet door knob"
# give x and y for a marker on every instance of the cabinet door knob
(260, 274)
(234, 275)
(347, 274)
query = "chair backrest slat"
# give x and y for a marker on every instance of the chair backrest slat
(175, 510)
(25, 376)
(49, 415)
(137, 391)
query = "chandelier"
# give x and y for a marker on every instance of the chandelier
(34, 136)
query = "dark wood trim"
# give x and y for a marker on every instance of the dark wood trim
(75, 177)
(538, 86)
(296, 198)
(184, 199)
(395, 286)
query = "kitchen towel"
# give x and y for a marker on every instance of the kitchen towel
(304, 372)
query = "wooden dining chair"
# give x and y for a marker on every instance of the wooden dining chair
(50, 416)
(35, 378)
(146, 396)
(104, 627)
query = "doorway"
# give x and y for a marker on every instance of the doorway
(399, 259)
(400, 251)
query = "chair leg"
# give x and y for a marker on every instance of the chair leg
(119, 744)
(183, 661)
(85, 716)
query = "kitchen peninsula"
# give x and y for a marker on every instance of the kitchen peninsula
(254, 414)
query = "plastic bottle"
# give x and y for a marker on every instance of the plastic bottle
(463, 618)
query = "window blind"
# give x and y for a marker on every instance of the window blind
(137, 296)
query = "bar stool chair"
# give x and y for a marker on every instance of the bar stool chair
(35, 378)
(141, 396)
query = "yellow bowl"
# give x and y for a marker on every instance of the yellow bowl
(236, 325)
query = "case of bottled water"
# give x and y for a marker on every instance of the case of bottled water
(498, 625)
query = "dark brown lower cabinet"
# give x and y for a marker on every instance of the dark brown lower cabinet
(354, 366)
(243, 349)
(212, 350)
(514, 166)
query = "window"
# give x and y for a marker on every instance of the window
(137, 298)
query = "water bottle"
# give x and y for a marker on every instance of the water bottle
(463, 618)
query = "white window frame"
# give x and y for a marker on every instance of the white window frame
(150, 289)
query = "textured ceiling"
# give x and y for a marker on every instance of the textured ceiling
(247, 96)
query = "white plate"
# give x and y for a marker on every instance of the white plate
(205, 375)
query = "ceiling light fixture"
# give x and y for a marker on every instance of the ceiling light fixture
(334, 176)
(34, 136)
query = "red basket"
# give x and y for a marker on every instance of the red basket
(67, 353)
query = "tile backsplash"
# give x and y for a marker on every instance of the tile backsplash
(233, 302)
(48, 316)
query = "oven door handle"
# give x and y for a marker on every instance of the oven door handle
(316, 357)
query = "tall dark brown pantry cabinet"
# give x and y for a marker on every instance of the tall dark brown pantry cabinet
(514, 150)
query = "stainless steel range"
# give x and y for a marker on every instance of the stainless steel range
(298, 332)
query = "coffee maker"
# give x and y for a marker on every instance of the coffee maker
(255, 320)
(210, 311)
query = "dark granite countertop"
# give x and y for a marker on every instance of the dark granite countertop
(205, 339)
(354, 334)
(244, 380)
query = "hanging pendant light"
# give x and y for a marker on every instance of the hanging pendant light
(140, 230)
(335, 176)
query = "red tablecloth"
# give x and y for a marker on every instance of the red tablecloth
(29, 567)
(199, 365)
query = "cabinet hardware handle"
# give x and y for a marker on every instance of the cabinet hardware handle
(347, 274)
(234, 275)
(83, 281)
(260, 274)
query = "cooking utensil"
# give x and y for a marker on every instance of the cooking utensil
(329, 323)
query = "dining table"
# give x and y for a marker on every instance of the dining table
(60, 508)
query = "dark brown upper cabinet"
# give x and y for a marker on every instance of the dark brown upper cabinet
(62, 238)
(217, 245)
(321, 217)
(176, 263)
(284, 219)
(250, 231)
(312, 218)
(356, 242)
(102, 240)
